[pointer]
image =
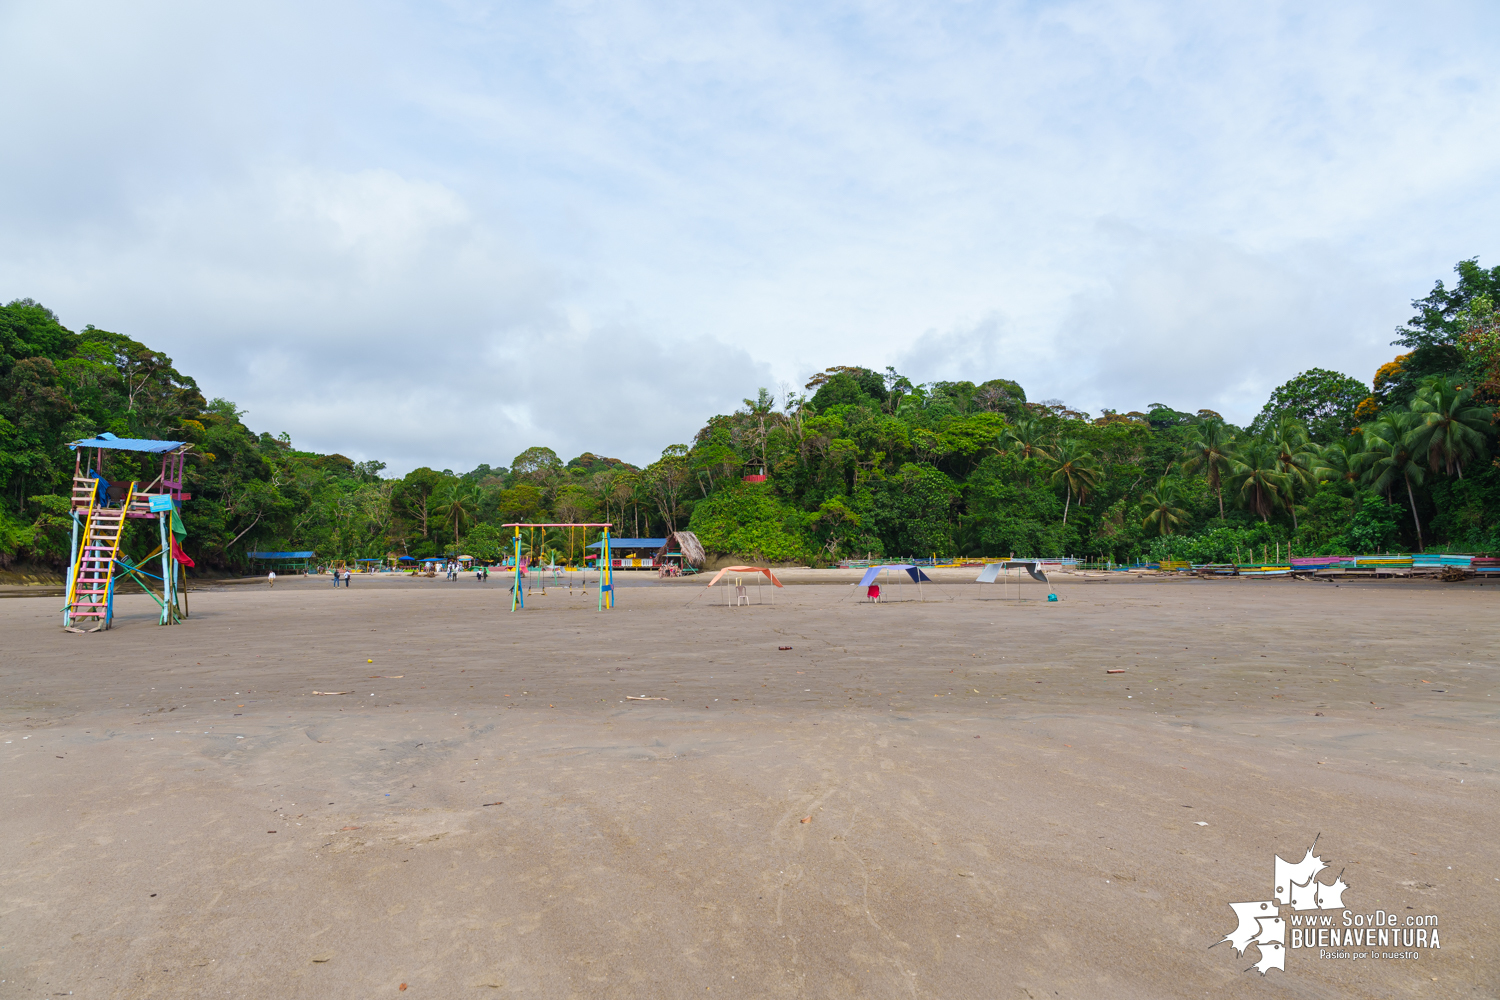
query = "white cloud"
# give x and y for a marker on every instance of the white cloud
(362, 311)
(1200, 322)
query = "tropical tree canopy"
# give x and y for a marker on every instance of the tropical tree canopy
(864, 463)
(1321, 401)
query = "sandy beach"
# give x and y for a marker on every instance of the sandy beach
(942, 798)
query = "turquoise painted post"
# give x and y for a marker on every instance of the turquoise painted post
(72, 566)
(517, 598)
(166, 568)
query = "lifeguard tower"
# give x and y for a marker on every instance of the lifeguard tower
(100, 507)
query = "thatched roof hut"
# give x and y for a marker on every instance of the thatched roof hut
(687, 543)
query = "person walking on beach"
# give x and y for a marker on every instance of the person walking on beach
(334, 572)
(348, 576)
(271, 578)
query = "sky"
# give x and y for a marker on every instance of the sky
(440, 233)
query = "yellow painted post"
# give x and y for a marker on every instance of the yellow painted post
(606, 574)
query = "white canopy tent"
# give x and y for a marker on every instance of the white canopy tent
(999, 572)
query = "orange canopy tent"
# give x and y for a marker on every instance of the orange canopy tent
(739, 596)
(745, 569)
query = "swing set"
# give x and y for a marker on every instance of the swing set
(520, 580)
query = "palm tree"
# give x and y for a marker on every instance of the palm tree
(760, 409)
(1160, 507)
(1452, 426)
(1028, 439)
(459, 505)
(1073, 465)
(1296, 457)
(1255, 475)
(1341, 459)
(1389, 439)
(1209, 444)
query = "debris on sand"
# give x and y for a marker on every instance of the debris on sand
(330, 692)
(807, 819)
(783, 647)
(1120, 670)
(644, 697)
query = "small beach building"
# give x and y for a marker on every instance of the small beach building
(630, 553)
(683, 550)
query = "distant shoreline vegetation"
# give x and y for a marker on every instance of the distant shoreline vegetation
(861, 463)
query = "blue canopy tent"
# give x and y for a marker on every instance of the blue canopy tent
(876, 572)
(296, 561)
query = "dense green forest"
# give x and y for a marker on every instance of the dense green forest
(862, 462)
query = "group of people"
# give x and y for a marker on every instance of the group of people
(337, 576)
(481, 573)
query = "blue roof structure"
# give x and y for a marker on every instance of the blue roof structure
(108, 440)
(281, 555)
(631, 543)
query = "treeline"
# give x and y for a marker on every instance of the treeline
(861, 462)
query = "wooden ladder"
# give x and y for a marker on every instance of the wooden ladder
(85, 488)
(89, 590)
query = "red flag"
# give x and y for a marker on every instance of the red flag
(180, 555)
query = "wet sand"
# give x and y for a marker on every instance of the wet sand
(940, 799)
